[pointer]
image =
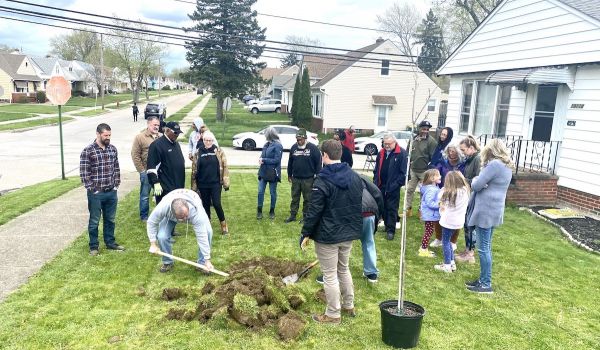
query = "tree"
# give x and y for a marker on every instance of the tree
(429, 35)
(7, 49)
(304, 108)
(295, 99)
(134, 53)
(225, 54)
(299, 45)
(77, 45)
(402, 20)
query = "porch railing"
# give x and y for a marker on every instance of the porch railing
(529, 155)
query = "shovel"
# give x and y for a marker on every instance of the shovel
(291, 279)
(191, 263)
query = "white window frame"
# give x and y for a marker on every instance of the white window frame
(387, 109)
(381, 70)
(473, 111)
(432, 102)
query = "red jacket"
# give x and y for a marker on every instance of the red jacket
(349, 141)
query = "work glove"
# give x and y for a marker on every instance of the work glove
(157, 189)
(303, 242)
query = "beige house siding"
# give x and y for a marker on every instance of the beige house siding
(26, 68)
(7, 85)
(348, 97)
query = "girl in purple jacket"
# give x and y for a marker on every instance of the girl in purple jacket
(430, 208)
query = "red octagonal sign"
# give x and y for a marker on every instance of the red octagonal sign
(58, 91)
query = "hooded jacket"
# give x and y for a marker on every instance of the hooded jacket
(437, 154)
(166, 164)
(195, 135)
(396, 174)
(335, 211)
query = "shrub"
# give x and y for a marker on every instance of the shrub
(40, 96)
(166, 87)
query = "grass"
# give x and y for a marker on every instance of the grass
(33, 108)
(6, 116)
(237, 120)
(183, 112)
(32, 123)
(21, 201)
(113, 98)
(546, 290)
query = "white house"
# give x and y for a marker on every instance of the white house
(370, 88)
(531, 72)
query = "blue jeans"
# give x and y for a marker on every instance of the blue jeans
(262, 185)
(484, 248)
(105, 204)
(368, 246)
(144, 196)
(446, 246)
(165, 232)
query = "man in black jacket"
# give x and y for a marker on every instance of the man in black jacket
(389, 176)
(333, 221)
(166, 165)
(303, 165)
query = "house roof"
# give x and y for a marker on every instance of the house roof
(384, 100)
(268, 72)
(10, 63)
(588, 7)
(343, 63)
(69, 71)
(284, 81)
(46, 64)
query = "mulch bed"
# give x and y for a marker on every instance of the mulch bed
(584, 231)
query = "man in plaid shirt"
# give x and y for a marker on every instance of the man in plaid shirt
(101, 176)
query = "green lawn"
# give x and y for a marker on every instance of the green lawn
(21, 201)
(35, 108)
(32, 123)
(183, 112)
(91, 113)
(546, 290)
(113, 98)
(6, 116)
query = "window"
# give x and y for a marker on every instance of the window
(502, 110)
(316, 105)
(431, 105)
(484, 108)
(382, 116)
(491, 105)
(385, 67)
(465, 111)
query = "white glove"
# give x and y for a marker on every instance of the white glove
(157, 189)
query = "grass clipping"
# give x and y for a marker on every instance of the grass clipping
(252, 296)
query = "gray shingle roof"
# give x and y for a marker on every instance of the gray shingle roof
(46, 64)
(589, 7)
(10, 63)
(384, 100)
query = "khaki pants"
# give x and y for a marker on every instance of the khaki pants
(336, 276)
(415, 178)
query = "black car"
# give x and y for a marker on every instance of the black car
(247, 98)
(158, 109)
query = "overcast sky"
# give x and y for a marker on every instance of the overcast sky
(34, 39)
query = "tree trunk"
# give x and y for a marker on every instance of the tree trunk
(219, 108)
(146, 82)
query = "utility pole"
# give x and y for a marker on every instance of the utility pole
(101, 70)
(159, 78)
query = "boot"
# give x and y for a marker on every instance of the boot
(259, 213)
(272, 213)
(290, 219)
(224, 229)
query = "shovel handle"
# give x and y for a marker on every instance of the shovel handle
(310, 266)
(192, 263)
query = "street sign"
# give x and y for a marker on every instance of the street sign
(58, 91)
(227, 104)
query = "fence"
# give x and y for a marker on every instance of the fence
(529, 155)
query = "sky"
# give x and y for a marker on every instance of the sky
(34, 39)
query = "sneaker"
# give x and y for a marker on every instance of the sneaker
(116, 247)
(166, 268)
(453, 246)
(290, 219)
(436, 243)
(381, 224)
(326, 319)
(94, 252)
(479, 288)
(349, 312)
(372, 277)
(426, 253)
(468, 257)
(272, 216)
(319, 279)
(443, 267)
(453, 265)
(204, 272)
(472, 283)
(390, 236)
(259, 216)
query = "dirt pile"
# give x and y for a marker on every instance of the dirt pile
(253, 296)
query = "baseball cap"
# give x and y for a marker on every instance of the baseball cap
(175, 127)
(425, 124)
(301, 133)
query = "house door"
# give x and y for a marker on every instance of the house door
(382, 112)
(544, 113)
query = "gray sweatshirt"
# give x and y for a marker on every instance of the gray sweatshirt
(197, 217)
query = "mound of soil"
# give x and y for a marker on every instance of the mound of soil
(172, 294)
(253, 295)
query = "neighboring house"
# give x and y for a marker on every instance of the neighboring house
(17, 75)
(45, 68)
(120, 81)
(366, 88)
(530, 72)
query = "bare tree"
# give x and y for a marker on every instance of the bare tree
(299, 44)
(403, 21)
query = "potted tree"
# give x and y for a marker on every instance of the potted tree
(401, 320)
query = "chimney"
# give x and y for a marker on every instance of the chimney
(379, 40)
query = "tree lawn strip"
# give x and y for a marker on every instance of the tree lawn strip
(545, 289)
(7, 116)
(32, 123)
(183, 112)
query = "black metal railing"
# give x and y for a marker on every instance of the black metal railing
(529, 155)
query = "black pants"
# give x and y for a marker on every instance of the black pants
(391, 200)
(212, 195)
(304, 187)
(135, 114)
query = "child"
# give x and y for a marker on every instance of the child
(430, 208)
(454, 199)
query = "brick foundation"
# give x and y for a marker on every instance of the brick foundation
(579, 200)
(533, 189)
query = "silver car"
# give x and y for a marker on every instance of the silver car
(271, 105)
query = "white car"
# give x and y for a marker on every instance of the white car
(287, 136)
(265, 106)
(372, 144)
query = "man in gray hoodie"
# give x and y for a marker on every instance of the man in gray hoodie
(180, 205)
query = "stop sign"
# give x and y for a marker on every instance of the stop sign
(58, 91)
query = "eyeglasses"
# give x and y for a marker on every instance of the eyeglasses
(208, 140)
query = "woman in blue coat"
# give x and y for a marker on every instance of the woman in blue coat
(443, 140)
(269, 171)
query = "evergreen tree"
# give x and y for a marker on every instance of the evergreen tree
(429, 34)
(304, 111)
(295, 98)
(289, 60)
(225, 53)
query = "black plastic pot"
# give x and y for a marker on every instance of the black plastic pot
(401, 331)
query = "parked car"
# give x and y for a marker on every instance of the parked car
(158, 109)
(247, 98)
(372, 144)
(287, 136)
(258, 100)
(265, 106)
